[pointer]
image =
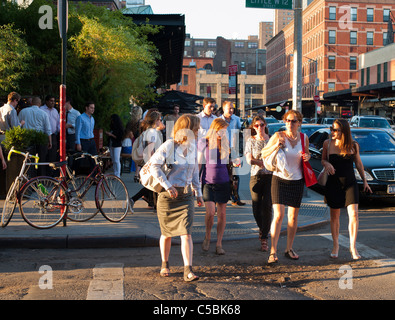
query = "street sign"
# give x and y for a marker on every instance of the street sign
(270, 4)
(316, 98)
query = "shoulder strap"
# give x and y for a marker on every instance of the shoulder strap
(302, 141)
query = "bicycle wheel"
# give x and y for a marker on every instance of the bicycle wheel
(112, 198)
(43, 202)
(10, 203)
(82, 206)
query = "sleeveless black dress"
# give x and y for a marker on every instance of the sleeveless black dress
(341, 188)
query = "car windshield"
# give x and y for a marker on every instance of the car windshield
(271, 120)
(376, 123)
(329, 120)
(374, 141)
(309, 130)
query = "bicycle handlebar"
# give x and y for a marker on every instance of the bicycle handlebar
(26, 155)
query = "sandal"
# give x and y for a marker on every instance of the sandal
(219, 250)
(264, 245)
(291, 254)
(165, 270)
(272, 259)
(189, 275)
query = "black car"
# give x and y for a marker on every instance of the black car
(377, 151)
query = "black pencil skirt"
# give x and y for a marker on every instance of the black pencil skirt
(287, 192)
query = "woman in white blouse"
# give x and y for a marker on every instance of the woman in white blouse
(288, 184)
(175, 207)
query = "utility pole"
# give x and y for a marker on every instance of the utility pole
(298, 55)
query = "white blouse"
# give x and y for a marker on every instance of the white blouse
(184, 169)
(293, 156)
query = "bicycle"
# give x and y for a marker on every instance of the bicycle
(48, 216)
(83, 202)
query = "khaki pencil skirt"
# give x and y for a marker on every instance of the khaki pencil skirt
(175, 215)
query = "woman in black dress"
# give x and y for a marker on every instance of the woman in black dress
(342, 188)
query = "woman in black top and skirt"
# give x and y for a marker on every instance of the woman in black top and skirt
(341, 187)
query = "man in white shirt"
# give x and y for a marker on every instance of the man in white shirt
(54, 120)
(206, 118)
(8, 114)
(35, 118)
(233, 130)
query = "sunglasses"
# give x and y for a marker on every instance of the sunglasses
(293, 120)
(259, 125)
(334, 130)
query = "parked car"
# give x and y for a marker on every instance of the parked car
(371, 122)
(377, 150)
(306, 128)
(274, 127)
(326, 120)
(310, 128)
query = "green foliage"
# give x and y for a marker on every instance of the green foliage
(14, 58)
(22, 138)
(109, 59)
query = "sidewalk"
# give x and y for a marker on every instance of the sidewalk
(142, 228)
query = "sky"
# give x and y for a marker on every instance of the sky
(211, 18)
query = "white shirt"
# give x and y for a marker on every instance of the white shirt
(293, 163)
(185, 169)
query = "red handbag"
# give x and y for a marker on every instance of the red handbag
(309, 176)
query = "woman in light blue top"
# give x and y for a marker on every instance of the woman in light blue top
(175, 207)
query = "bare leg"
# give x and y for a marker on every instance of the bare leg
(335, 229)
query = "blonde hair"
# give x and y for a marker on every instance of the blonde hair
(183, 127)
(217, 125)
(296, 113)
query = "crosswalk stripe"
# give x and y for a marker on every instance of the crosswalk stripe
(107, 283)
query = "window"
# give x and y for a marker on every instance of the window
(211, 44)
(252, 45)
(352, 85)
(354, 14)
(239, 44)
(332, 36)
(185, 79)
(386, 15)
(331, 62)
(353, 63)
(332, 13)
(369, 14)
(362, 77)
(385, 38)
(331, 86)
(378, 73)
(369, 38)
(187, 43)
(385, 71)
(199, 43)
(223, 63)
(242, 64)
(353, 37)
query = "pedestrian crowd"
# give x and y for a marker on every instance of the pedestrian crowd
(204, 159)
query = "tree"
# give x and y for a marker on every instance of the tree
(117, 59)
(14, 58)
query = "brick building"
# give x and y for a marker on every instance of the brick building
(335, 33)
(245, 53)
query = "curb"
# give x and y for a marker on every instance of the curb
(78, 242)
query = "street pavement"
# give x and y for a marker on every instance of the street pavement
(142, 228)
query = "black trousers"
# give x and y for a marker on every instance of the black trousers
(260, 187)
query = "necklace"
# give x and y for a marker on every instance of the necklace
(291, 138)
